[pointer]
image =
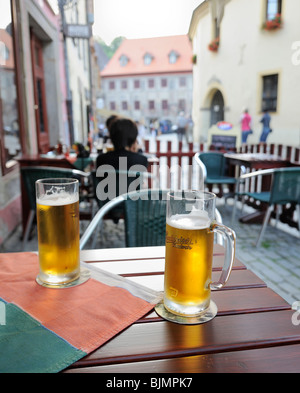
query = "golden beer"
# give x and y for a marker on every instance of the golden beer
(189, 252)
(58, 237)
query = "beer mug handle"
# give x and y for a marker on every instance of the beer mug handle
(229, 236)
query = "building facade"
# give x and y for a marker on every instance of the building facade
(32, 109)
(247, 56)
(41, 67)
(78, 19)
(149, 79)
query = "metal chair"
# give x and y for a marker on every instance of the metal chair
(213, 171)
(30, 175)
(144, 215)
(285, 188)
(108, 183)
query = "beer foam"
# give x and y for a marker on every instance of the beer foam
(194, 220)
(63, 198)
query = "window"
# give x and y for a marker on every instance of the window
(124, 105)
(136, 84)
(124, 84)
(112, 106)
(164, 82)
(173, 56)
(112, 85)
(151, 83)
(10, 133)
(123, 60)
(217, 13)
(181, 105)
(148, 59)
(273, 8)
(269, 93)
(164, 104)
(216, 28)
(137, 105)
(151, 105)
(182, 81)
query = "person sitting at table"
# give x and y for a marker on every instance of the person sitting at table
(123, 134)
(82, 152)
(124, 157)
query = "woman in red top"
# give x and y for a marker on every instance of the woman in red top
(245, 125)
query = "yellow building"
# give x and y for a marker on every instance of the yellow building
(247, 55)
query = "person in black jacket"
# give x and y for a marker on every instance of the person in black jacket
(110, 182)
(123, 134)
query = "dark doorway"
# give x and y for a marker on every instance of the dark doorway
(217, 108)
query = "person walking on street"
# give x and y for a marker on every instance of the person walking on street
(265, 120)
(245, 126)
(182, 124)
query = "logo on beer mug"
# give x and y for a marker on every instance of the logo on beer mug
(2, 314)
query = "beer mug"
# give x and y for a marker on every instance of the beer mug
(58, 231)
(190, 229)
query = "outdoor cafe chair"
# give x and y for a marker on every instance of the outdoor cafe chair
(285, 189)
(144, 216)
(82, 163)
(213, 170)
(33, 173)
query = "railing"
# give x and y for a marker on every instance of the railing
(174, 166)
(290, 153)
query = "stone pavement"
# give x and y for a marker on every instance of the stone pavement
(276, 262)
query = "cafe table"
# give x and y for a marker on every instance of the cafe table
(255, 330)
(255, 161)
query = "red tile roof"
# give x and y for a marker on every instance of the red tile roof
(159, 48)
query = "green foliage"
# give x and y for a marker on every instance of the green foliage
(109, 50)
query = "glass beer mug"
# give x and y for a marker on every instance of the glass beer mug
(190, 229)
(58, 232)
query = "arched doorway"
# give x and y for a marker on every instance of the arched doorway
(217, 108)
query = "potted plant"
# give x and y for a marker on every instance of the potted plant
(194, 59)
(214, 45)
(273, 24)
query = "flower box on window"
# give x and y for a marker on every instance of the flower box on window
(274, 23)
(214, 45)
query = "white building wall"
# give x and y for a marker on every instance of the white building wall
(246, 53)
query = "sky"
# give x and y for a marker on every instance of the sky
(134, 18)
(5, 15)
(142, 18)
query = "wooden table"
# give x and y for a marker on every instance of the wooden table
(252, 332)
(256, 160)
